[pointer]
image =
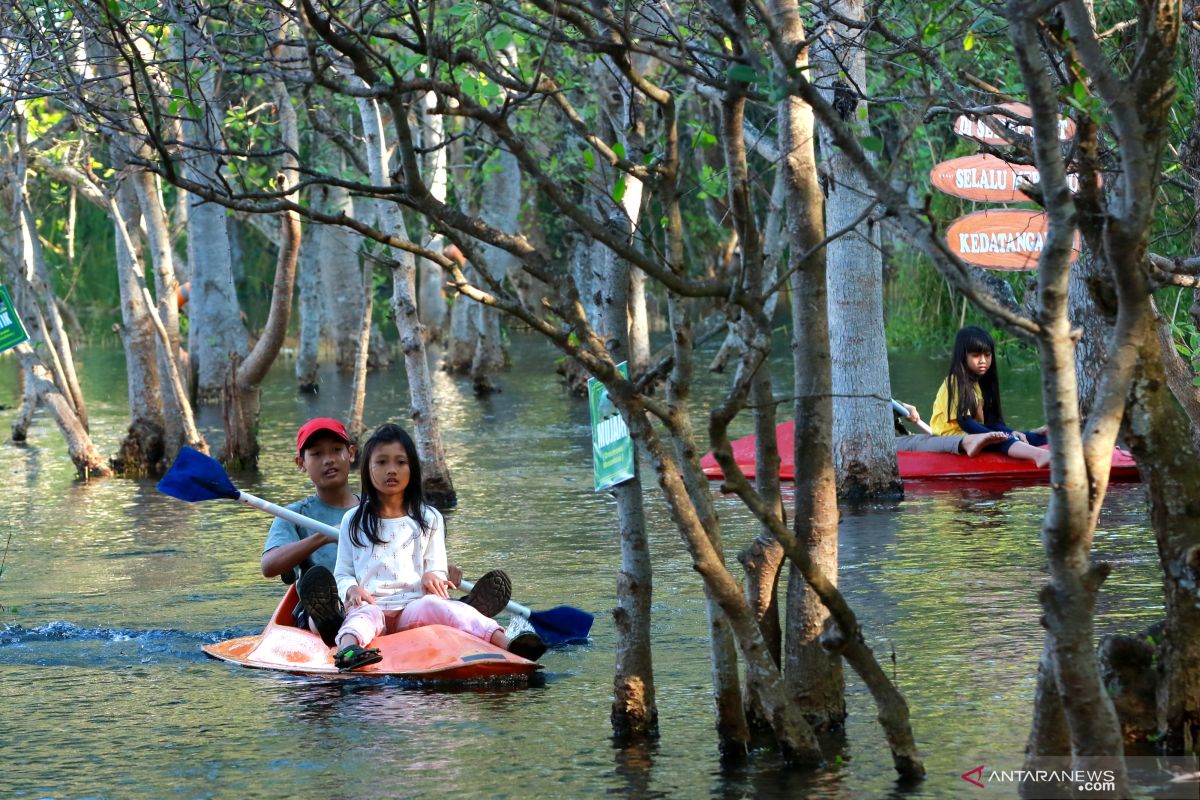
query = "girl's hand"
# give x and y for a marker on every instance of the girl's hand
(357, 596)
(433, 583)
(913, 414)
(1021, 436)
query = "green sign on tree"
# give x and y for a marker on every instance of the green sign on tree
(612, 449)
(12, 332)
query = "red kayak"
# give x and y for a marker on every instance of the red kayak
(920, 466)
(430, 653)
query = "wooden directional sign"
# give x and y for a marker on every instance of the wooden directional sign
(1004, 239)
(987, 179)
(1020, 122)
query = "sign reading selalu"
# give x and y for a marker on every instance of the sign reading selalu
(12, 332)
(1005, 239)
(612, 447)
(987, 179)
(1016, 120)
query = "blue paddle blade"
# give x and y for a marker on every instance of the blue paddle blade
(195, 476)
(562, 625)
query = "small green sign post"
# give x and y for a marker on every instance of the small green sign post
(612, 448)
(12, 332)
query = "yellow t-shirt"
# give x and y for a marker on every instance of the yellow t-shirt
(944, 420)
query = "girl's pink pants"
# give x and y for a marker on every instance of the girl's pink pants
(367, 621)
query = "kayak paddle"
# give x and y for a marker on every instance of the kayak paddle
(903, 412)
(196, 477)
(558, 625)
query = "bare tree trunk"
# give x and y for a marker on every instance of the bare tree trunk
(814, 677)
(431, 297)
(634, 708)
(42, 297)
(1170, 467)
(241, 395)
(88, 461)
(141, 450)
(166, 285)
(215, 327)
(499, 204)
(309, 302)
(341, 283)
(863, 434)
(439, 488)
(1088, 279)
(358, 392)
(28, 407)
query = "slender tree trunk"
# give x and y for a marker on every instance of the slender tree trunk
(431, 297)
(141, 450)
(88, 461)
(28, 407)
(1170, 466)
(814, 677)
(358, 392)
(166, 285)
(241, 397)
(309, 302)
(341, 281)
(1088, 278)
(863, 434)
(499, 203)
(634, 708)
(215, 327)
(439, 488)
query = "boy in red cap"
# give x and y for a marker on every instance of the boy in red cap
(325, 453)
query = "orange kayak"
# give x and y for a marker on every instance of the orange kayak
(430, 653)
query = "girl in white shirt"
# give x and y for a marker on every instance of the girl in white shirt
(391, 561)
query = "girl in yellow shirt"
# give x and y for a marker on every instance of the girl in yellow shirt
(968, 401)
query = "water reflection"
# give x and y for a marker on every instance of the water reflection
(111, 589)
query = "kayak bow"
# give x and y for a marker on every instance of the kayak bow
(428, 653)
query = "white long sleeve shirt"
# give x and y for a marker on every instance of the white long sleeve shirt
(391, 572)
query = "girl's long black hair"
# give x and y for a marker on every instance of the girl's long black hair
(366, 516)
(973, 339)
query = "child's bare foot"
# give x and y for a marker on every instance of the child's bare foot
(972, 443)
(1042, 460)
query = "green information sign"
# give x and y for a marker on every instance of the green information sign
(612, 449)
(12, 332)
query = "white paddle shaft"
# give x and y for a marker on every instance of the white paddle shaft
(902, 411)
(287, 513)
(320, 527)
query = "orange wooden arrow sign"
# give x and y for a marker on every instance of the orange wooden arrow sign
(987, 179)
(981, 129)
(1004, 239)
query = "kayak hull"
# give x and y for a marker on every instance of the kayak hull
(429, 653)
(921, 466)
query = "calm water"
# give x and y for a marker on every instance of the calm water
(111, 589)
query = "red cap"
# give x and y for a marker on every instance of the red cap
(316, 426)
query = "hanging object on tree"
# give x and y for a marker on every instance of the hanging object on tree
(12, 332)
(1004, 239)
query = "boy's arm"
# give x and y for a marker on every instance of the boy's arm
(284, 557)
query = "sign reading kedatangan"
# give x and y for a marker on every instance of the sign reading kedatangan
(12, 332)
(612, 449)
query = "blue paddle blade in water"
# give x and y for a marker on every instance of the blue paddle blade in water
(562, 625)
(195, 476)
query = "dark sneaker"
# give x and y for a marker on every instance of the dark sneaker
(527, 645)
(491, 593)
(319, 599)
